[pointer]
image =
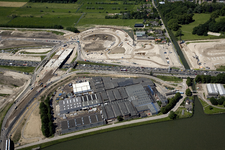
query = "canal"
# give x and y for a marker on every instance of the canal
(201, 132)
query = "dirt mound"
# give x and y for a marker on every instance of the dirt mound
(10, 81)
(100, 37)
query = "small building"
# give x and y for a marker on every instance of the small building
(138, 25)
(154, 23)
(140, 33)
(81, 87)
(161, 2)
(188, 104)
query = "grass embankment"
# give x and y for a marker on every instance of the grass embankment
(95, 132)
(220, 68)
(83, 73)
(187, 29)
(92, 63)
(170, 78)
(207, 109)
(21, 69)
(3, 113)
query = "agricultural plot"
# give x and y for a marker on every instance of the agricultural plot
(92, 19)
(5, 12)
(65, 20)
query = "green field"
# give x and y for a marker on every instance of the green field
(170, 78)
(15, 0)
(49, 14)
(187, 29)
(22, 69)
(212, 111)
(5, 12)
(91, 19)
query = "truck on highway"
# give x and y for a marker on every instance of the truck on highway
(123, 70)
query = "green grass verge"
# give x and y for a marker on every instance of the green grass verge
(170, 78)
(83, 73)
(212, 111)
(24, 52)
(220, 68)
(57, 32)
(52, 54)
(3, 113)
(92, 63)
(4, 95)
(95, 132)
(22, 69)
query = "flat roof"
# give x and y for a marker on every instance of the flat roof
(220, 89)
(211, 89)
(109, 112)
(81, 87)
(116, 109)
(110, 95)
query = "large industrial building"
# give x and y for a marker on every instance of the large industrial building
(113, 97)
(215, 90)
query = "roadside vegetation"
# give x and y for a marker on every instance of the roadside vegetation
(220, 68)
(170, 78)
(220, 78)
(172, 102)
(47, 127)
(20, 69)
(3, 112)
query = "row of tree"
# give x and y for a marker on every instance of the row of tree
(47, 127)
(112, 17)
(220, 78)
(53, 1)
(171, 104)
(219, 101)
(31, 26)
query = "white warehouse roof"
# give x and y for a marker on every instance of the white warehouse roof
(81, 87)
(221, 89)
(211, 89)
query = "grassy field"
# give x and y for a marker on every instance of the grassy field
(170, 78)
(4, 14)
(212, 111)
(22, 69)
(199, 19)
(65, 20)
(68, 14)
(15, 0)
(91, 19)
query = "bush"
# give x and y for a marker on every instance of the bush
(213, 101)
(172, 115)
(188, 92)
(210, 107)
(75, 30)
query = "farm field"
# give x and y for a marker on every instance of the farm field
(187, 29)
(50, 14)
(65, 20)
(5, 12)
(92, 19)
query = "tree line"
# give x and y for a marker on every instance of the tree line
(136, 15)
(220, 78)
(53, 1)
(73, 29)
(219, 101)
(211, 24)
(171, 104)
(47, 127)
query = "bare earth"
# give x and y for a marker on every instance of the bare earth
(113, 45)
(211, 53)
(12, 4)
